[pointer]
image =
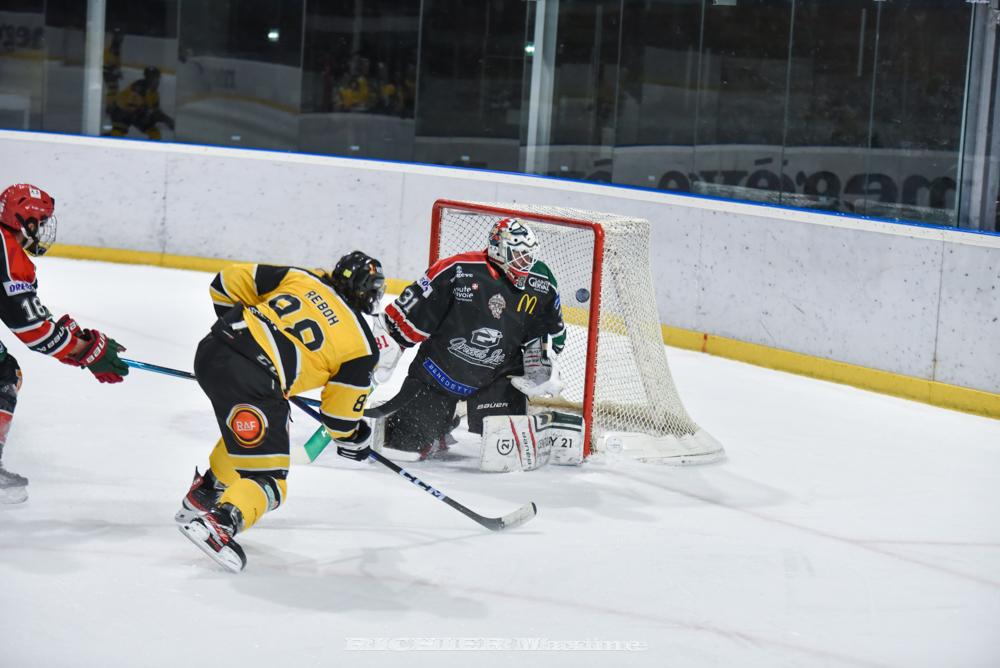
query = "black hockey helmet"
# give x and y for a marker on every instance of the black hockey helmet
(358, 278)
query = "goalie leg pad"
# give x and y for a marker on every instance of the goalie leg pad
(564, 433)
(509, 444)
(525, 442)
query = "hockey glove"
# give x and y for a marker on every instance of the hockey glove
(100, 356)
(70, 324)
(356, 447)
(541, 373)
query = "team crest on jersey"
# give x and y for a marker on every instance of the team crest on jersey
(480, 348)
(248, 424)
(497, 304)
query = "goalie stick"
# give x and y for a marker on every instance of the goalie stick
(509, 521)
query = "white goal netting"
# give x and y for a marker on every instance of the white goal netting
(635, 402)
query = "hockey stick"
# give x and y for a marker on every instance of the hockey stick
(177, 373)
(508, 521)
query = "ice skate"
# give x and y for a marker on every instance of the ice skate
(204, 494)
(13, 487)
(213, 534)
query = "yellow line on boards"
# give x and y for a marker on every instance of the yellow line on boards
(885, 382)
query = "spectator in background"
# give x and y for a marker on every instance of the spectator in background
(356, 94)
(139, 106)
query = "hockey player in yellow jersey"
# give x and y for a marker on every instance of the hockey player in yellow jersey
(281, 331)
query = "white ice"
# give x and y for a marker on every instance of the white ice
(846, 528)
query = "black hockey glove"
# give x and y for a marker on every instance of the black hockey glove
(356, 447)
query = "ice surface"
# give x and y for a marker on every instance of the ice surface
(845, 529)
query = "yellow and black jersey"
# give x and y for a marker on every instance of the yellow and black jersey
(137, 98)
(312, 338)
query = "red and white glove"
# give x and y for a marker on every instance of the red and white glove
(98, 354)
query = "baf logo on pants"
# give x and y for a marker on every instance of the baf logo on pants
(248, 425)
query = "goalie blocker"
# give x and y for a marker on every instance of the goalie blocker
(526, 442)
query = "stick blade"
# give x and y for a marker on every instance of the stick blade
(515, 519)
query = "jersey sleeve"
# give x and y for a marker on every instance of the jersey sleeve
(555, 326)
(552, 318)
(21, 309)
(344, 396)
(244, 284)
(31, 322)
(420, 308)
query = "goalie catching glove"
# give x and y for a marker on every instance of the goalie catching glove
(526, 442)
(95, 352)
(541, 373)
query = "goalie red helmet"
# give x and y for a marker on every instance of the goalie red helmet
(27, 211)
(512, 247)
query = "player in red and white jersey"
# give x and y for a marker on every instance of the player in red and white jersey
(28, 228)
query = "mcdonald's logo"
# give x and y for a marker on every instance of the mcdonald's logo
(527, 304)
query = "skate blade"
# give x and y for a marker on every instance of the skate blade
(13, 495)
(225, 557)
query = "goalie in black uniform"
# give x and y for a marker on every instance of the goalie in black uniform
(489, 326)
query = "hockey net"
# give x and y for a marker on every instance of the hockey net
(614, 365)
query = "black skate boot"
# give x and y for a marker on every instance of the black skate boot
(13, 487)
(204, 493)
(213, 534)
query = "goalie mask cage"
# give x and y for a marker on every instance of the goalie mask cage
(614, 366)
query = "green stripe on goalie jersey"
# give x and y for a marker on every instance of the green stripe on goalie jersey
(542, 269)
